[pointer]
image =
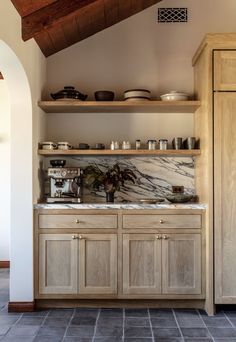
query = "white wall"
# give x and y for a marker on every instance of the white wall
(137, 52)
(4, 171)
(23, 66)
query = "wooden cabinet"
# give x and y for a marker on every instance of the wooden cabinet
(181, 264)
(225, 70)
(162, 264)
(98, 263)
(141, 264)
(58, 264)
(225, 195)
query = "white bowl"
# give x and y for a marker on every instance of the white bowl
(175, 96)
(137, 93)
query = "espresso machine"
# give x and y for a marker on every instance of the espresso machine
(65, 185)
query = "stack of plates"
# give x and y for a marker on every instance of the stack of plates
(137, 95)
(175, 96)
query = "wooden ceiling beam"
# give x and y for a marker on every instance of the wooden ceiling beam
(51, 15)
(26, 7)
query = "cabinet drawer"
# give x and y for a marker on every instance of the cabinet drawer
(77, 221)
(162, 221)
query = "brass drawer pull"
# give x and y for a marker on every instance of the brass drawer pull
(81, 237)
(77, 221)
(158, 237)
(165, 237)
(74, 237)
(161, 221)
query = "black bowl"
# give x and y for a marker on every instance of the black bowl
(104, 95)
(58, 163)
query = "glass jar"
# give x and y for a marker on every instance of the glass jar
(152, 144)
(138, 144)
(126, 145)
(163, 144)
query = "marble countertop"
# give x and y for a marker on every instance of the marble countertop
(61, 206)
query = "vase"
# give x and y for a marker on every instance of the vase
(110, 197)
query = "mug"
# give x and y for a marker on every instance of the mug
(190, 143)
(64, 145)
(48, 145)
(177, 143)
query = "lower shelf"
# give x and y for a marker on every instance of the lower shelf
(180, 153)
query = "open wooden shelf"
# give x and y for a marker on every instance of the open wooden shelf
(177, 153)
(75, 106)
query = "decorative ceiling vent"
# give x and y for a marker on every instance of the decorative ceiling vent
(172, 15)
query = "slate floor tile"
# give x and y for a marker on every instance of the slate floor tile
(83, 320)
(135, 339)
(51, 331)
(87, 312)
(30, 321)
(77, 339)
(4, 329)
(111, 321)
(195, 332)
(232, 320)
(137, 332)
(161, 313)
(108, 339)
(61, 313)
(222, 332)
(186, 312)
(136, 313)
(163, 322)
(218, 322)
(191, 321)
(137, 322)
(23, 330)
(107, 330)
(39, 313)
(12, 338)
(48, 339)
(56, 321)
(80, 331)
(172, 339)
(199, 340)
(9, 320)
(166, 332)
(116, 312)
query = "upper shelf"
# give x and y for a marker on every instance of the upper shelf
(75, 106)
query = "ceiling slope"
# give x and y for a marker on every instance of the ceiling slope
(57, 24)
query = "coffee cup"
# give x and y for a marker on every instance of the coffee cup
(48, 145)
(63, 145)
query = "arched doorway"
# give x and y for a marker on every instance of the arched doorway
(21, 211)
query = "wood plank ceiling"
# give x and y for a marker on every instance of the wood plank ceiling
(57, 24)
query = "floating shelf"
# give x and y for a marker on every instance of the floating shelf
(177, 153)
(75, 106)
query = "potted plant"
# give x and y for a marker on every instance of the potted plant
(111, 180)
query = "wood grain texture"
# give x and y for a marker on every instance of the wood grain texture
(4, 264)
(26, 7)
(141, 264)
(98, 264)
(225, 199)
(181, 264)
(77, 221)
(224, 70)
(21, 306)
(161, 221)
(58, 264)
(75, 106)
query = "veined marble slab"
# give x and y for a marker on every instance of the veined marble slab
(155, 176)
(138, 206)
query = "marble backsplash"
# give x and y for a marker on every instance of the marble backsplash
(155, 175)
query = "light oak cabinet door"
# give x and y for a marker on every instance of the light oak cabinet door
(98, 264)
(141, 264)
(225, 197)
(181, 264)
(225, 70)
(57, 264)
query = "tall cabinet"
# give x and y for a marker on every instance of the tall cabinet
(215, 85)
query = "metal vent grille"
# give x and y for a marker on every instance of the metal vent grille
(172, 15)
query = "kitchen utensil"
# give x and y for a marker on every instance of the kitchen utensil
(58, 163)
(83, 146)
(163, 144)
(177, 143)
(104, 95)
(69, 93)
(48, 145)
(175, 96)
(151, 200)
(138, 144)
(152, 144)
(63, 145)
(137, 94)
(179, 198)
(190, 143)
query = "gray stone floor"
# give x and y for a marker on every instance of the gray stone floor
(108, 325)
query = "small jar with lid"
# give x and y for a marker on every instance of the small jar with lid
(152, 144)
(126, 145)
(137, 144)
(163, 143)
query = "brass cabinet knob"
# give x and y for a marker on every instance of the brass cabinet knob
(81, 237)
(158, 237)
(165, 237)
(74, 237)
(161, 221)
(77, 221)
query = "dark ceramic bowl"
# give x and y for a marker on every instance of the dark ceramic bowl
(69, 93)
(179, 198)
(104, 95)
(57, 163)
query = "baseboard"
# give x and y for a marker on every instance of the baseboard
(21, 306)
(5, 264)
